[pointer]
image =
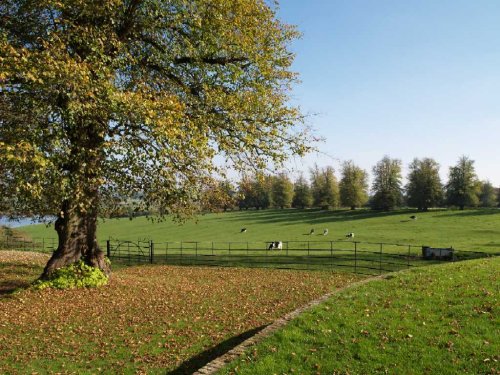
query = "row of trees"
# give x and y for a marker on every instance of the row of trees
(423, 190)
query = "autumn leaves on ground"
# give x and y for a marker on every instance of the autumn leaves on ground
(148, 319)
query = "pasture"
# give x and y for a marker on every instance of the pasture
(471, 230)
(443, 319)
(157, 319)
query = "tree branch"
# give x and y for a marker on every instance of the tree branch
(210, 60)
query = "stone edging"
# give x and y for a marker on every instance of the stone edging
(218, 363)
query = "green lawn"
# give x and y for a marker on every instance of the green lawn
(476, 230)
(435, 320)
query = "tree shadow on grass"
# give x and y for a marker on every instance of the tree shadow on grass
(15, 276)
(10, 286)
(200, 360)
(316, 216)
(472, 212)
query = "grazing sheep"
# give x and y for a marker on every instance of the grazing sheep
(350, 235)
(311, 232)
(277, 245)
(325, 232)
(243, 230)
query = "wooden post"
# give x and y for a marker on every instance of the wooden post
(355, 257)
(380, 260)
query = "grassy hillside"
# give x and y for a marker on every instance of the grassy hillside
(434, 320)
(477, 230)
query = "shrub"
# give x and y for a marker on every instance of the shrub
(76, 275)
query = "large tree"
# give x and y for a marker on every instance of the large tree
(387, 191)
(325, 187)
(255, 191)
(488, 195)
(353, 185)
(282, 191)
(302, 196)
(424, 188)
(462, 188)
(103, 99)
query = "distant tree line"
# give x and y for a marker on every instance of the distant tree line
(423, 190)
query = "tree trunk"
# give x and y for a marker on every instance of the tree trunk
(77, 240)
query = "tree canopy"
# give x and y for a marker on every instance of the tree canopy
(463, 188)
(387, 184)
(104, 99)
(324, 187)
(353, 185)
(488, 195)
(424, 188)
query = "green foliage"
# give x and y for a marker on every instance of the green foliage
(219, 196)
(488, 195)
(282, 191)
(324, 187)
(76, 275)
(302, 196)
(353, 186)
(256, 191)
(116, 98)
(387, 190)
(463, 186)
(424, 188)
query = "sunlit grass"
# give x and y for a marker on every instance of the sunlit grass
(476, 230)
(437, 320)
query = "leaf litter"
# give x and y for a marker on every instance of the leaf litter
(148, 319)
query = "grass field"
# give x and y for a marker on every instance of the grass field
(157, 319)
(150, 319)
(475, 230)
(435, 320)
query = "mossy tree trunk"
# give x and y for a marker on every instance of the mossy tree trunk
(76, 225)
(77, 240)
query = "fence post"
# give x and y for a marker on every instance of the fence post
(409, 254)
(151, 251)
(380, 260)
(108, 249)
(331, 254)
(308, 253)
(355, 257)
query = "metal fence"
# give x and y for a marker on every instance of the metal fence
(351, 256)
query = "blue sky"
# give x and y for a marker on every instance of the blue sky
(404, 78)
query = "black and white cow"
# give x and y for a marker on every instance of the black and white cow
(350, 235)
(277, 245)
